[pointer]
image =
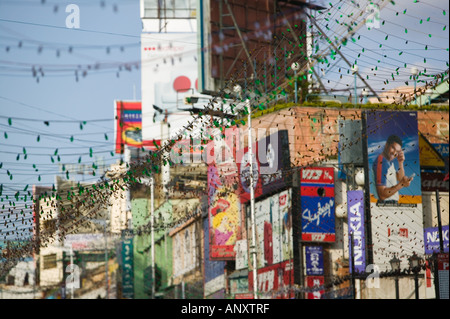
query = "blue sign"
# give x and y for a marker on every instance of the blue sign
(355, 204)
(128, 269)
(314, 260)
(431, 238)
(318, 223)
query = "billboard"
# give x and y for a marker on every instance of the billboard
(168, 73)
(270, 159)
(356, 224)
(317, 204)
(128, 128)
(393, 167)
(275, 281)
(314, 260)
(273, 219)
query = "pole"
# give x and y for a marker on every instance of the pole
(72, 267)
(353, 266)
(416, 283)
(152, 211)
(106, 264)
(397, 290)
(438, 208)
(252, 203)
(356, 92)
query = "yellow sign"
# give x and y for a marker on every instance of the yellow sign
(429, 157)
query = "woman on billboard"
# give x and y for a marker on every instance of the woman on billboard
(389, 171)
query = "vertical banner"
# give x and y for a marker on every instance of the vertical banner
(356, 226)
(214, 278)
(127, 269)
(224, 204)
(394, 185)
(317, 204)
(314, 260)
(443, 268)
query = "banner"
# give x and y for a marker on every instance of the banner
(313, 282)
(127, 269)
(317, 204)
(394, 185)
(356, 225)
(314, 260)
(224, 204)
(431, 238)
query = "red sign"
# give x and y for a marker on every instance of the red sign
(443, 262)
(275, 281)
(315, 282)
(434, 181)
(243, 296)
(317, 175)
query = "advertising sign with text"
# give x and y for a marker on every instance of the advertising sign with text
(314, 260)
(355, 204)
(317, 204)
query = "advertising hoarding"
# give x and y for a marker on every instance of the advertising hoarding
(394, 185)
(314, 260)
(128, 128)
(168, 73)
(270, 159)
(223, 199)
(356, 225)
(273, 229)
(317, 204)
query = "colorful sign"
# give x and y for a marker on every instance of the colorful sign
(128, 129)
(443, 267)
(429, 157)
(431, 238)
(314, 260)
(224, 204)
(356, 225)
(394, 184)
(317, 204)
(432, 182)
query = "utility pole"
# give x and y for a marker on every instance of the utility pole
(253, 251)
(353, 266)
(152, 211)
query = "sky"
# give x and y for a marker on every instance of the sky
(58, 83)
(58, 86)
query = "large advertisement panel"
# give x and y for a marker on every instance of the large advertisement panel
(394, 185)
(169, 72)
(317, 204)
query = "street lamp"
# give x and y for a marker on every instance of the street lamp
(414, 72)
(415, 263)
(355, 71)
(395, 265)
(295, 66)
(365, 94)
